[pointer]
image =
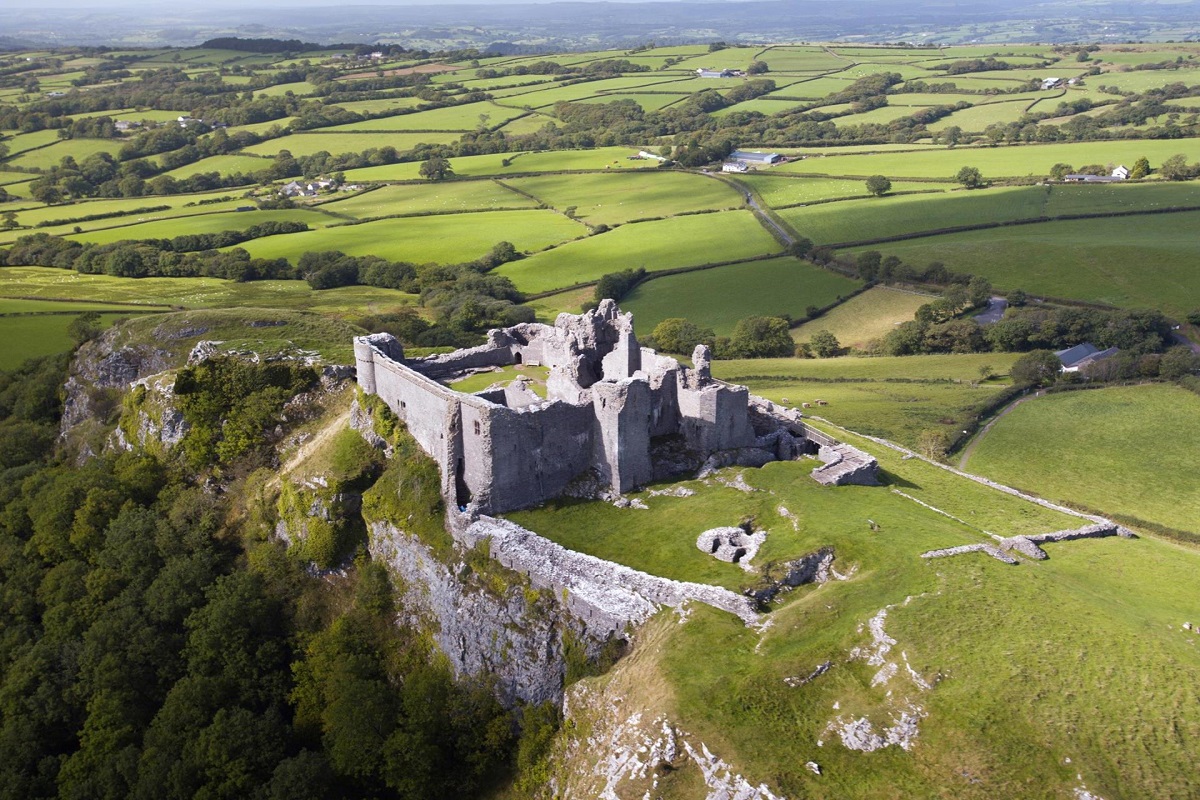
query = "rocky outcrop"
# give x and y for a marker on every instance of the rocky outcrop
(512, 634)
(101, 365)
(816, 567)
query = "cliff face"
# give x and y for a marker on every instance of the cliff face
(485, 623)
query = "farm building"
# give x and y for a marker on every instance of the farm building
(1079, 356)
(1121, 172)
(1080, 178)
(750, 157)
(734, 166)
(715, 73)
(1051, 83)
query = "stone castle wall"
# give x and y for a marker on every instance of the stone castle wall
(607, 400)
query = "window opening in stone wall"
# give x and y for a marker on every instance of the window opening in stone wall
(517, 358)
(478, 429)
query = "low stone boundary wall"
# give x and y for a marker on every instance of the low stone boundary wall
(991, 550)
(1028, 545)
(603, 594)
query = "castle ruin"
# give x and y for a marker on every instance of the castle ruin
(616, 415)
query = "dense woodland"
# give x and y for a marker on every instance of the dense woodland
(156, 645)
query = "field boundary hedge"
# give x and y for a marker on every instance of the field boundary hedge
(658, 274)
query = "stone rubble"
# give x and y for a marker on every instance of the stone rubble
(634, 751)
(821, 669)
(733, 545)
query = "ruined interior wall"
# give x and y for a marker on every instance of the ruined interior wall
(445, 364)
(715, 417)
(534, 452)
(622, 443)
(663, 375)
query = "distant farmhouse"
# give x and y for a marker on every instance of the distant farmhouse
(1051, 83)
(718, 73)
(1081, 355)
(743, 160)
(1118, 174)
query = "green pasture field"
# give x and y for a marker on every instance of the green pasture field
(9, 178)
(600, 158)
(79, 149)
(18, 190)
(718, 298)
(780, 190)
(530, 123)
(763, 105)
(870, 315)
(853, 220)
(63, 284)
(571, 301)
(83, 208)
(878, 116)
(454, 118)
(22, 142)
(161, 218)
(648, 101)
(995, 162)
(299, 89)
(444, 239)
(976, 118)
(224, 164)
(37, 335)
(1127, 450)
(263, 127)
(504, 82)
(974, 83)
(905, 71)
(664, 244)
(378, 105)
(814, 89)
(894, 397)
(1142, 80)
(800, 59)
(305, 144)
(16, 305)
(615, 198)
(729, 58)
(201, 223)
(97, 206)
(1079, 259)
(578, 91)
(444, 196)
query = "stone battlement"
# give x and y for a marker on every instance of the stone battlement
(610, 405)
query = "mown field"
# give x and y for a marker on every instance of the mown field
(446, 197)
(865, 317)
(719, 297)
(1129, 450)
(35, 335)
